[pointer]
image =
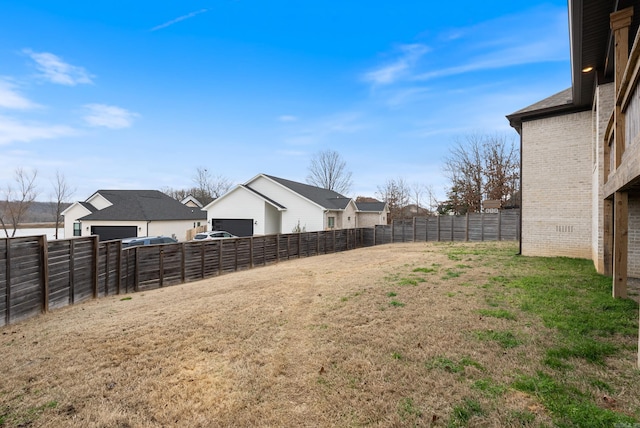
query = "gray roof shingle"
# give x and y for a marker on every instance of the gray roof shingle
(142, 205)
(327, 199)
(371, 206)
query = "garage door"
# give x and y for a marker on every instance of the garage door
(107, 233)
(236, 226)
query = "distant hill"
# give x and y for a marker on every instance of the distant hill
(42, 212)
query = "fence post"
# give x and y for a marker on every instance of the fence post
(94, 265)
(393, 230)
(106, 269)
(202, 252)
(72, 271)
(426, 229)
(277, 247)
(452, 222)
(251, 264)
(136, 269)
(220, 242)
(499, 225)
(119, 267)
(183, 263)
(7, 314)
(438, 227)
(264, 251)
(482, 226)
(161, 266)
(466, 231)
(334, 240)
(44, 263)
(235, 247)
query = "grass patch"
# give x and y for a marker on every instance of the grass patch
(464, 411)
(26, 417)
(424, 269)
(391, 294)
(126, 298)
(448, 365)
(451, 273)
(571, 298)
(396, 304)
(489, 388)
(569, 406)
(498, 313)
(407, 409)
(506, 339)
(411, 281)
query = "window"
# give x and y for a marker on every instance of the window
(77, 229)
(331, 222)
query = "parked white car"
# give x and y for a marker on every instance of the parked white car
(215, 234)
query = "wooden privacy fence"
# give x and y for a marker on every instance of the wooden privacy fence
(500, 226)
(37, 275)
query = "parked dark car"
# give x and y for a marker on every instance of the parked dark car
(147, 240)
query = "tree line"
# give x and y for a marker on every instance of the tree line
(478, 168)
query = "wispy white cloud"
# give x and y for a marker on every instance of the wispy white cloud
(540, 37)
(287, 118)
(178, 19)
(109, 116)
(55, 70)
(389, 73)
(10, 98)
(342, 123)
(407, 95)
(12, 131)
(528, 53)
(292, 153)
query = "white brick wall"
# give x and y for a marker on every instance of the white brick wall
(557, 174)
(603, 106)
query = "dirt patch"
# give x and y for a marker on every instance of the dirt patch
(382, 336)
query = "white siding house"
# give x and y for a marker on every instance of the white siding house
(276, 205)
(116, 214)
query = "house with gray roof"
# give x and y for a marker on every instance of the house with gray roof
(116, 214)
(266, 205)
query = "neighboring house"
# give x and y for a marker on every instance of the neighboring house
(191, 202)
(581, 148)
(116, 214)
(372, 213)
(266, 205)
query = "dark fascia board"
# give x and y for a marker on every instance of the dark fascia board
(516, 119)
(575, 43)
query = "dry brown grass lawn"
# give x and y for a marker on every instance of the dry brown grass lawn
(349, 339)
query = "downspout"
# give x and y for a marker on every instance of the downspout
(521, 198)
(148, 221)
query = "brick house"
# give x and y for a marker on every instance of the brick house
(581, 148)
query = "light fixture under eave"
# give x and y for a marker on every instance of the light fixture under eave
(587, 69)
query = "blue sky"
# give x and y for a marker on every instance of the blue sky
(137, 95)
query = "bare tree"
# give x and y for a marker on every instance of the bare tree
(396, 193)
(501, 168)
(16, 199)
(480, 167)
(423, 197)
(329, 171)
(177, 194)
(209, 187)
(62, 192)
